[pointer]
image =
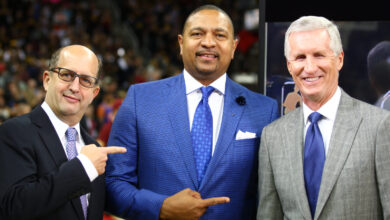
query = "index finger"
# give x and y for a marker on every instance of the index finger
(215, 201)
(114, 149)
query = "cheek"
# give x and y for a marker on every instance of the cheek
(294, 72)
(88, 98)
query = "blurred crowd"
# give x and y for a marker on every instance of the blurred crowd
(136, 40)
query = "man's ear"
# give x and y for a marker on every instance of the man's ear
(288, 66)
(235, 43)
(47, 76)
(96, 91)
(180, 40)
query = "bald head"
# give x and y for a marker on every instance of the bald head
(74, 51)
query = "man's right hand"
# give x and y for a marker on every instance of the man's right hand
(98, 155)
(188, 204)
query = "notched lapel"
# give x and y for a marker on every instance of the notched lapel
(53, 145)
(293, 140)
(48, 135)
(232, 113)
(345, 127)
(178, 115)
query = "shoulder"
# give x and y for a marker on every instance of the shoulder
(17, 130)
(157, 85)
(249, 95)
(295, 117)
(367, 111)
(20, 122)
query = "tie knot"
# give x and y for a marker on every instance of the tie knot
(71, 134)
(206, 91)
(315, 117)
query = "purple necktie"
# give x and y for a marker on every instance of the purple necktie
(71, 151)
(202, 133)
(314, 160)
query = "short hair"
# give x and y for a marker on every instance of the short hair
(208, 7)
(55, 57)
(378, 66)
(309, 23)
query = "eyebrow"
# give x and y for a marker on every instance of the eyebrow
(218, 29)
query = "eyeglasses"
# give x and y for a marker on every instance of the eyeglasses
(69, 75)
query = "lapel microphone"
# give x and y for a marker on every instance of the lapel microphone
(241, 100)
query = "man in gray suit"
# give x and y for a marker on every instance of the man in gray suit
(330, 158)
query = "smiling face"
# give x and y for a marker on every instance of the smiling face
(313, 66)
(69, 100)
(207, 45)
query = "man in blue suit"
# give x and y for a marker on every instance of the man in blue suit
(159, 177)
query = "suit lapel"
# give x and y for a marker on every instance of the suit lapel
(178, 115)
(344, 131)
(48, 135)
(53, 145)
(293, 140)
(231, 116)
(86, 138)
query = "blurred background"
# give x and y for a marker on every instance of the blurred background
(137, 42)
(136, 39)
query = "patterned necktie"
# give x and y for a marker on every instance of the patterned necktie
(202, 133)
(71, 151)
(314, 160)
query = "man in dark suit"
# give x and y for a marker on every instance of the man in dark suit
(162, 175)
(46, 171)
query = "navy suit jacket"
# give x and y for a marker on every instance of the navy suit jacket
(36, 179)
(153, 125)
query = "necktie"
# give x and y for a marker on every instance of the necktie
(314, 160)
(202, 133)
(72, 153)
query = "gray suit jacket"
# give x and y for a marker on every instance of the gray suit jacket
(356, 177)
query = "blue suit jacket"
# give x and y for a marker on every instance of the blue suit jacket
(153, 125)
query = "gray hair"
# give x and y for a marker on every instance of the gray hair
(309, 23)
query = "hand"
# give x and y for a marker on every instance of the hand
(188, 204)
(98, 155)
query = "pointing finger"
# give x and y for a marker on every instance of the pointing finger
(215, 201)
(114, 150)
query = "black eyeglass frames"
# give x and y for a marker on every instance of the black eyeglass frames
(69, 75)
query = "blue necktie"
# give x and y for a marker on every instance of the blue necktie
(314, 160)
(202, 133)
(71, 151)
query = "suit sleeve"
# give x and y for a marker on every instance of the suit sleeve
(124, 198)
(382, 163)
(269, 204)
(24, 192)
(275, 111)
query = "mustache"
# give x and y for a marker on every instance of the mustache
(208, 52)
(72, 94)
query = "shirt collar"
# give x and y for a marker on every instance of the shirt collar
(59, 125)
(328, 110)
(193, 85)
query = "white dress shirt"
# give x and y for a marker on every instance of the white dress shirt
(216, 100)
(61, 128)
(328, 111)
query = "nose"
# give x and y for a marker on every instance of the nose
(310, 65)
(75, 85)
(208, 40)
